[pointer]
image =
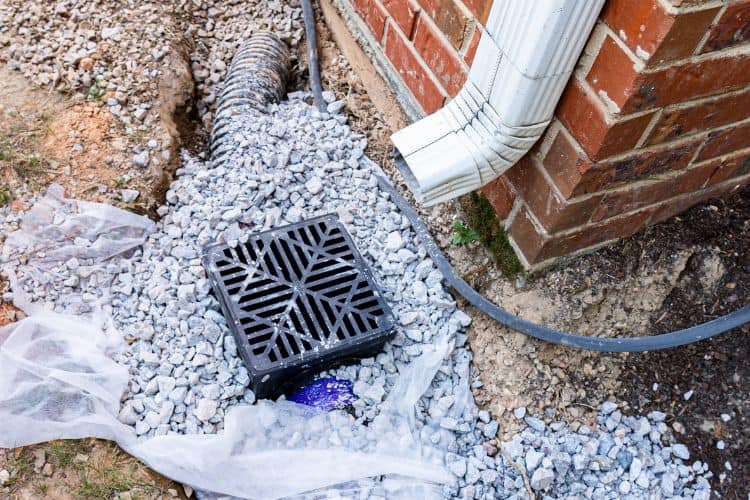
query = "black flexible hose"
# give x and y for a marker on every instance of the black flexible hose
(617, 344)
(311, 40)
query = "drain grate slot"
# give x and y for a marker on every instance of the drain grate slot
(297, 298)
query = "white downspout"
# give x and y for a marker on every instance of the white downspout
(524, 60)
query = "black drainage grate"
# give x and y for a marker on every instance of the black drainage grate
(298, 298)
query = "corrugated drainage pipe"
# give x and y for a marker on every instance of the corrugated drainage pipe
(524, 59)
(257, 76)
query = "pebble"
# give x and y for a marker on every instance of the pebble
(142, 159)
(535, 423)
(607, 407)
(533, 459)
(519, 413)
(680, 451)
(542, 479)
(129, 195)
(394, 242)
(206, 409)
(314, 185)
(490, 429)
(456, 464)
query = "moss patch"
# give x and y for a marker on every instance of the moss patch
(481, 217)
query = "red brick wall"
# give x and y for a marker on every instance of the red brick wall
(429, 42)
(655, 119)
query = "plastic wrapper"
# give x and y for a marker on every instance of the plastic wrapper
(58, 380)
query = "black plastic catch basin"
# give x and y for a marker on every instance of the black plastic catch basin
(298, 298)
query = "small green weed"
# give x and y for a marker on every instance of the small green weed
(6, 195)
(30, 166)
(21, 466)
(41, 489)
(7, 150)
(96, 92)
(63, 452)
(463, 234)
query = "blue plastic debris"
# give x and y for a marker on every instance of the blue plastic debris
(326, 394)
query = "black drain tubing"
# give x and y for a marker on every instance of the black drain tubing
(616, 344)
(311, 42)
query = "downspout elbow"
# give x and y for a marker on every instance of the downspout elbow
(523, 62)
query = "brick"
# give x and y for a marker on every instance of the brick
(626, 200)
(480, 9)
(530, 242)
(613, 74)
(732, 28)
(654, 34)
(726, 168)
(620, 202)
(448, 17)
(691, 80)
(586, 119)
(404, 13)
(742, 169)
(555, 214)
(594, 235)
(441, 58)
(677, 122)
(725, 141)
(471, 49)
(678, 205)
(373, 14)
(571, 171)
(649, 163)
(501, 196)
(537, 247)
(429, 95)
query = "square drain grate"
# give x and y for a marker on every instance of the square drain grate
(298, 298)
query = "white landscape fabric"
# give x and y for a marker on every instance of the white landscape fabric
(58, 380)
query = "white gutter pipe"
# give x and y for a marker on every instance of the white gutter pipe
(524, 60)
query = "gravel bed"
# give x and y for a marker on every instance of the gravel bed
(293, 164)
(116, 52)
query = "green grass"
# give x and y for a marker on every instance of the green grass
(107, 480)
(41, 489)
(30, 166)
(20, 467)
(481, 217)
(6, 195)
(138, 136)
(7, 150)
(63, 452)
(26, 166)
